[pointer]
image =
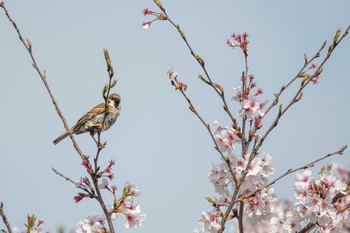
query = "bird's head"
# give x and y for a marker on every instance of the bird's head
(114, 99)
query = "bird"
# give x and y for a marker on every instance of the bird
(92, 121)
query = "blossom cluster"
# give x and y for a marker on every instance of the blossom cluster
(225, 137)
(260, 207)
(251, 108)
(91, 224)
(238, 40)
(125, 205)
(122, 205)
(324, 202)
(158, 16)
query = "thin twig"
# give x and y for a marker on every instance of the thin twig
(215, 86)
(224, 158)
(91, 193)
(4, 218)
(63, 176)
(296, 98)
(28, 47)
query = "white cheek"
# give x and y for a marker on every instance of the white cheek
(111, 103)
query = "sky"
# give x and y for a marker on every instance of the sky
(157, 143)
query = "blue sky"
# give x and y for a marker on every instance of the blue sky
(157, 142)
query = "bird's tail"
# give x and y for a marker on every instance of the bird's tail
(60, 138)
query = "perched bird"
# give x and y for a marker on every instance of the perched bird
(92, 121)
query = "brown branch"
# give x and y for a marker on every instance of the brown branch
(227, 160)
(91, 193)
(3, 216)
(297, 76)
(240, 217)
(219, 90)
(308, 228)
(28, 47)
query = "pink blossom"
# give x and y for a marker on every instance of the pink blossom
(80, 196)
(230, 44)
(313, 66)
(146, 11)
(259, 92)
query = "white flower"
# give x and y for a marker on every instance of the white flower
(91, 224)
(220, 179)
(134, 217)
(237, 94)
(304, 179)
(78, 183)
(209, 221)
(133, 189)
(225, 137)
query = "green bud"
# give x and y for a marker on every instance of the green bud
(336, 37)
(107, 58)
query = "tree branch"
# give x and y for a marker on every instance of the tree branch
(3, 216)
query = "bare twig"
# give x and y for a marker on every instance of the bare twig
(91, 193)
(218, 89)
(298, 94)
(63, 176)
(206, 125)
(28, 47)
(4, 218)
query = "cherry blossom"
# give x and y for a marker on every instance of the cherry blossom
(209, 221)
(226, 137)
(93, 224)
(134, 217)
(134, 191)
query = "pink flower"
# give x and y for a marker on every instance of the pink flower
(230, 44)
(313, 66)
(80, 196)
(146, 12)
(259, 92)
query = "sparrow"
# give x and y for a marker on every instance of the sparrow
(92, 121)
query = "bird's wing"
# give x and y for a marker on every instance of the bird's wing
(98, 109)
